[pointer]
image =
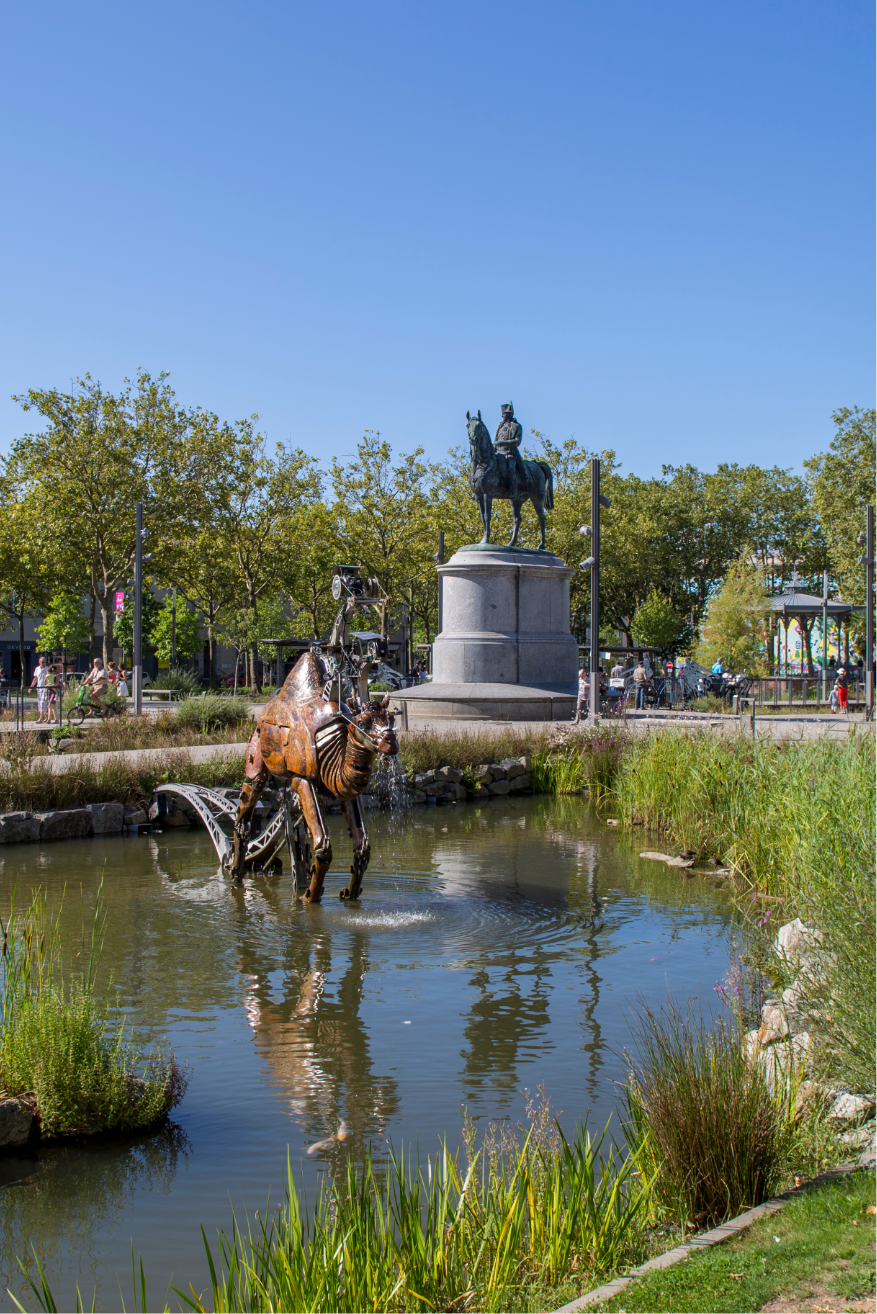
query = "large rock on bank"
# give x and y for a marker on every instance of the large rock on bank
(73, 823)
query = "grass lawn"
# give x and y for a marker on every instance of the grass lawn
(817, 1253)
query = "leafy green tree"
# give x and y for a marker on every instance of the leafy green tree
(842, 485)
(735, 629)
(98, 456)
(65, 625)
(657, 624)
(124, 621)
(174, 641)
(381, 511)
(26, 565)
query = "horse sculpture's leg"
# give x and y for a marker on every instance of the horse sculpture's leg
(361, 848)
(539, 508)
(320, 840)
(516, 522)
(255, 779)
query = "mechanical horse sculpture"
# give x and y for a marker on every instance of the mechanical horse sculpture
(318, 746)
(489, 477)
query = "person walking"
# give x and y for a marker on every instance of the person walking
(40, 680)
(842, 684)
(122, 682)
(582, 704)
(641, 683)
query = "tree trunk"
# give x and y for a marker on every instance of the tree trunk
(21, 646)
(807, 628)
(385, 618)
(91, 630)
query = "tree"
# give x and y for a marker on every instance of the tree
(124, 621)
(26, 565)
(657, 624)
(381, 511)
(736, 625)
(98, 457)
(64, 626)
(174, 638)
(842, 485)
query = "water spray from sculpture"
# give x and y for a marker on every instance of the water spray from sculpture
(318, 738)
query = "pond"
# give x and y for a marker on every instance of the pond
(495, 948)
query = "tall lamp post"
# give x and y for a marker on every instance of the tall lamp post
(868, 562)
(139, 559)
(592, 563)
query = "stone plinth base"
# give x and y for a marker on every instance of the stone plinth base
(487, 702)
(505, 621)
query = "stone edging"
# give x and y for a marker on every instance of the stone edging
(714, 1237)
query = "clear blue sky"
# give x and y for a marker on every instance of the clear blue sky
(648, 224)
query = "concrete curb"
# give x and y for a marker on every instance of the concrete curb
(714, 1237)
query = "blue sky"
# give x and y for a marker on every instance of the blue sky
(648, 224)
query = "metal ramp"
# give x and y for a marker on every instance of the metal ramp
(286, 827)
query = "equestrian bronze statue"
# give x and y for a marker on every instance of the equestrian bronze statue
(499, 472)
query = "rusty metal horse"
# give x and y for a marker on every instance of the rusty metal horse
(324, 751)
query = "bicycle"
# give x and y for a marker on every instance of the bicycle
(84, 707)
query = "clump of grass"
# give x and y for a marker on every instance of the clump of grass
(61, 1045)
(181, 681)
(710, 703)
(465, 748)
(584, 762)
(34, 787)
(714, 1137)
(210, 712)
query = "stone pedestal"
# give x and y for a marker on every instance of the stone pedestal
(504, 648)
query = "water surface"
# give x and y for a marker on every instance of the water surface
(495, 948)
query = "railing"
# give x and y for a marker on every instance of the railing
(804, 692)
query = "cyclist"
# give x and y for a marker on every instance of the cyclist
(99, 681)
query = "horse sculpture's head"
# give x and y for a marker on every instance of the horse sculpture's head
(377, 720)
(479, 437)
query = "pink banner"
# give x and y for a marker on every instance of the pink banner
(120, 602)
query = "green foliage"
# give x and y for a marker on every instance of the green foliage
(124, 625)
(586, 762)
(209, 712)
(176, 678)
(715, 1140)
(657, 624)
(421, 750)
(842, 485)
(161, 631)
(736, 626)
(64, 627)
(60, 1043)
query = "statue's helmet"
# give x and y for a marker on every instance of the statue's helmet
(508, 408)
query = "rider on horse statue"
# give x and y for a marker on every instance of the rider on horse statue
(508, 441)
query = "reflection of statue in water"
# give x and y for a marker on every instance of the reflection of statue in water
(314, 1042)
(501, 473)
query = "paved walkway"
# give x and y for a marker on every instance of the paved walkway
(784, 726)
(59, 763)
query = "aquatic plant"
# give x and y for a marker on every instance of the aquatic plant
(60, 1044)
(585, 761)
(709, 1130)
(405, 1236)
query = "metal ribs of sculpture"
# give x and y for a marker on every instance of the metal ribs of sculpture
(322, 750)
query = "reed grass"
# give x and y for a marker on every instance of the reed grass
(62, 1046)
(583, 761)
(465, 748)
(407, 1236)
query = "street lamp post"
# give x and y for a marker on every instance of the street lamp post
(868, 562)
(139, 558)
(592, 563)
(174, 630)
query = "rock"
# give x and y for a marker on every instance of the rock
(520, 784)
(774, 1024)
(106, 818)
(176, 819)
(425, 778)
(418, 796)
(484, 775)
(657, 857)
(433, 791)
(450, 774)
(611, 821)
(526, 761)
(136, 818)
(513, 767)
(680, 862)
(851, 1108)
(19, 828)
(752, 1044)
(796, 941)
(775, 1059)
(66, 745)
(158, 808)
(72, 823)
(458, 791)
(499, 787)
(16, 1118)
(497, 772)
(482, 793)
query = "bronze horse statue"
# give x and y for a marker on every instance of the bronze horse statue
(323, 750)
(488, 475)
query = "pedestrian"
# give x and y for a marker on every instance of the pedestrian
(834, 698)
(122, 682)
(718, 668)
(53, 683)
(842, 684)
(641, 683)
(582, 704)
(40, 680)
(617, 672)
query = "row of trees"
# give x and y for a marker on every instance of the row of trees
(249, 535)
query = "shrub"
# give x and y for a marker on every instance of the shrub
(715, 1139)
(209, 711)
(186, 682)
(58, 1042)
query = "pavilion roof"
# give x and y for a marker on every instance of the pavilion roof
(797, 603)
